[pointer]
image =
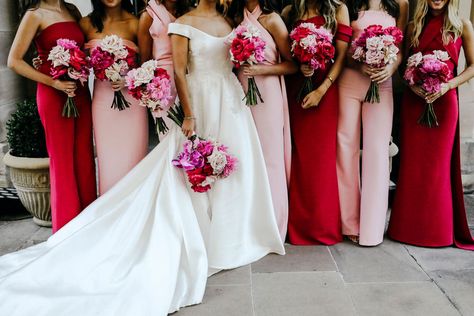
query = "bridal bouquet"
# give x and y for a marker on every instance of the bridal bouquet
(70, 63)
(205, 161)
(111, 60)
(247, 47)
(429, 72)
(151, 85)
(377, 47)
(313, 46)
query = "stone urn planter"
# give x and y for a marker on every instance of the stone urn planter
(30, 177)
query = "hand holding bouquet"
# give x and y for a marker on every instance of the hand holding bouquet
(247, 47)
(205, 161)
(69, 62)
(312, 46)
(377, 47)
(151, 85)
(111, 60)
(428, 72)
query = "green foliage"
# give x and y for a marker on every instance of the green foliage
(25, 134)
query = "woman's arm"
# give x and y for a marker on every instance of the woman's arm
(382, 74)
(277, 29)
(313, 98)
(145, 41)
(27, 30)
(468, 73)
(179, 48)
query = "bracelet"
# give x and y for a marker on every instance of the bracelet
(330, 79)
(189, 118)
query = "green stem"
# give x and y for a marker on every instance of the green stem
(69, 108)
(120, 103)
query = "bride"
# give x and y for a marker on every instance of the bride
(147, 246)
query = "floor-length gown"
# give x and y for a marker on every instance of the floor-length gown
(143, 248)
(364, 197)
(273, 125)
(121, 137)
(69, 140)
(162, 44)
(314, 215)
(428, 209)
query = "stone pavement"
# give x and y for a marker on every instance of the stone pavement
(391, 279)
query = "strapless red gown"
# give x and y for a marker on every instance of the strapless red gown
(429, 209)
(314, 212)
(69, 140)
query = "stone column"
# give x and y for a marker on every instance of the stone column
(12, 87)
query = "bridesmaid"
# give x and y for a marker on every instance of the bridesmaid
(271, 116)
(429, 208)
(69, 140)
(364, 202)
(314, 216)
(121, 137)
(153, 39)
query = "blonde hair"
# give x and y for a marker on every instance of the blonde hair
(452, 22)
(328, 9)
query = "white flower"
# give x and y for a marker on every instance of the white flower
(218, 161)
(391, 54)
(59, 56)
(113, 74)
(251, 31)
(441, 55)
(121, 53)
(414, 60)
(142, 76)
(209, 180)
(150, 65)
(374, 43)
(112, 44)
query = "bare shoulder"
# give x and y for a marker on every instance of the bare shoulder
(403, 4)
(85, 23)
(342, 13)
(273, 22)
(466, 25)
(33, 16)
(285, 13)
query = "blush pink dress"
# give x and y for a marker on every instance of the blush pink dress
(121, 137)
(272, 121)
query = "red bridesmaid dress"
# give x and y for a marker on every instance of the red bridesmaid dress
(314, 213)
(428, 209)
(69, 140)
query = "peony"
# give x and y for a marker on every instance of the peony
(67, 43)
(414, 60)
(59, 56)
(113, 45)
(218, 161)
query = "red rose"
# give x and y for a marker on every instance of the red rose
(200, 189)
(58, 72)
(78, 59)
(136, 93)
(131, 57)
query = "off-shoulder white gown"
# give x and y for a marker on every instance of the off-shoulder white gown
(147, 246)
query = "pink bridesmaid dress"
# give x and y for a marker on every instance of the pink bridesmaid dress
(273, 126)
(121, 137)
(161, 41)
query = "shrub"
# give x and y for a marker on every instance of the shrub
(25, 134)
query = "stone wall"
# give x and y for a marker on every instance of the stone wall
(12, 86)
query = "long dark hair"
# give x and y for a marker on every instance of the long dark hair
(98, 12)
(236, 9)
(390, 6)
(327, 9)
(26, 5)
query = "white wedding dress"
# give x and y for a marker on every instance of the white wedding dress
(147, 246)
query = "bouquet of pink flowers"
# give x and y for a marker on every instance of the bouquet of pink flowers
(377, 47)
(429, 72)
(111, 60)
(151, 85)
(69, 62)
(313, 46)
(205, 161)
(247, 47)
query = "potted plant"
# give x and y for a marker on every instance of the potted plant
(28, 161)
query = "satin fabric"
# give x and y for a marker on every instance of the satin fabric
(121, 137)
(273, 125)
(428, 208)
(68, 140)
(147, 246)
(314, 215)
